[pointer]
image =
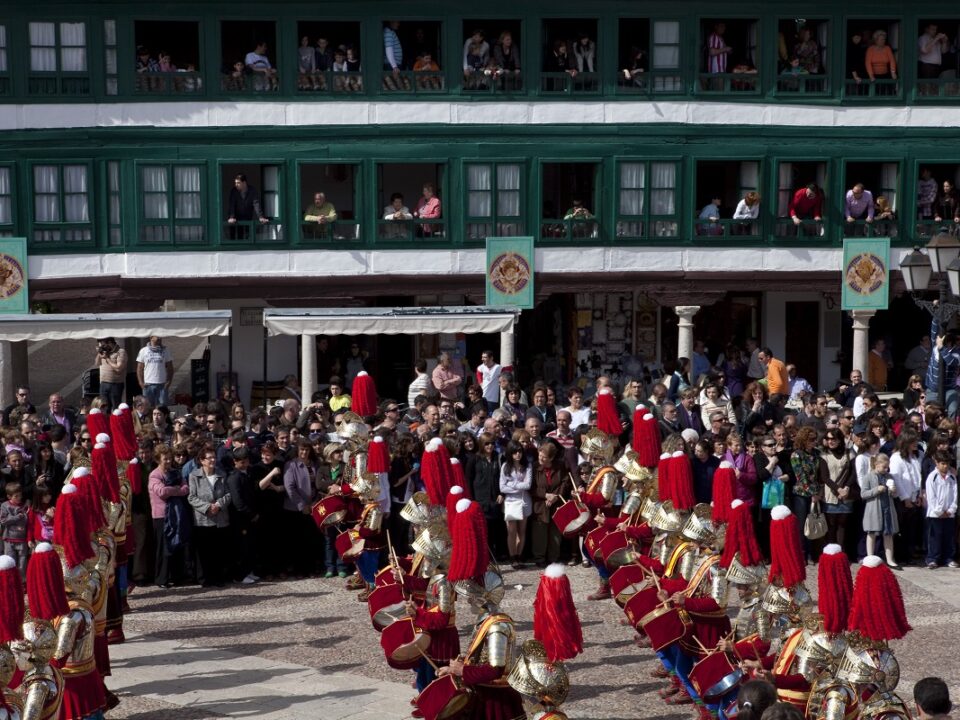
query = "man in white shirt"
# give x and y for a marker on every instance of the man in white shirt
(579, 415)
(155, 371)
(488, 375)
(797, 384)
(420, 384)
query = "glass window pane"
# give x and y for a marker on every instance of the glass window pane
(508, 203)
(479, 204)
(478, 177)
(508, 177)
(110, 32)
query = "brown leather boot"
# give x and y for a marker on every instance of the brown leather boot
(602, 593)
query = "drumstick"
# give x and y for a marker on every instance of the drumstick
(432, 663)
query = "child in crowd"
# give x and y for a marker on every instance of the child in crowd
(879, 514)
(40, 524)
(13, 521)
(941, 489)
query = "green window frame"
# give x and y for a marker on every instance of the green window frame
(666, 57)
(493, 200)
(805, 84)
(269, 182)
(111, 84)
(8, 218)
(59, 58)
(5, 84)
(889, 90)
(61, 209)
(170, 203)
(114, 206)
(809, 231)
(648, 204)
(344, 230)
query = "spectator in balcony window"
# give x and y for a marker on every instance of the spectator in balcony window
(146, 64)
(428, 207)
(948, 204)
(307, 65)
(636, 66)
(352, 60)
(717, 50)
(257, 62)
(233, 76)
(858, 205)
(426, 64)
(323, 57)
(475, 50)
(243, 206)
(558, 60)
(926, 194)
(398, 212)
(392, 55)
(807, 51)
(506, 59)
(856, 55)
(880, 62)
(318, 215)
(165, 62)
(475, 68)
(748, 210)
(577, 211)
(711, 214)
(585, 51)
(932, 45)
(884, 216)
(807, 204)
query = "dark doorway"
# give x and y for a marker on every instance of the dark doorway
(803, 348)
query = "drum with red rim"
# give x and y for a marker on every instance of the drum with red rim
(444, 698)
(640, 604)
(664, 625)
(616, 549)
(386, 604)
(715, 675)
(626, 580)
(329, 511)
(349, 545)
(591, 543)
(573, 518)
(402, 644)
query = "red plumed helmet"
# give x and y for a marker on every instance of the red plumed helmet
(11, 600)
(97, 422)
(122, 433)
(741, 538)
(664, 468)
(724, 478)
(432, 473)
(453, 497)
(363, 395)
(646, 438)
(378, 456)
(104, 465)
(72, 526)
(877, 610)
(45, 590)
(835, 588)
(681, 481)
(608, 420)
(556, 623)
(87, 483)
(469, 557)
(787, 563)
(458, 478)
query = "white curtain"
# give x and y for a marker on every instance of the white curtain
(73, 47)
(109, 32)
(186, 186)
(784, 188)
(479, 198)
(663, 181)
(6, 210)
(666, 45)
(508, 190)
(823, 37)
(46, 193)
(752, 31)
(749, 175)
(632, 182)
(113, 178)
(43, 53)
(271, 190)
(3, 48)
(154, 181)
(75, 194)
(888, 182)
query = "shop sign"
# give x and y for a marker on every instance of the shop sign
(866, 274)
(14, 293)
(510, 268)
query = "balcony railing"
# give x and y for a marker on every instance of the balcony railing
(479, 230)
(803, 84)
(866, 89)
(875, 228)
(805, 228)
(926, 229)
(328, 81)
(561, 83)
(936, 89)
(53, 84)
(168, 83)
(423, 82)
(400, 231)
(654, 82)
(251, 231)
(727, 229)
(66, 234)
(338, 231)
(492, 83)
(573, 229)
(741, 83)
(246, 83)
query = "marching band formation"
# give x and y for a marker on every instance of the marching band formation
(671, 565)
(690, 578)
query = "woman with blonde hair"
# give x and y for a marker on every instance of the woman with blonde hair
(748, 210)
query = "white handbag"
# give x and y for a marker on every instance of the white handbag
(513, 510)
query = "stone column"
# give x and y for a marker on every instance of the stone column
(7, 388)
(861, 341)
(506, 349)
(308, 367)
(685, 315)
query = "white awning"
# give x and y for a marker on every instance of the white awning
(390, 321)
(15, 328)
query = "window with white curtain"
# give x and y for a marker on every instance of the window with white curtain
(113, 203)
(171, 204)
(61, 195)
(6, 196)
(110, 57)
(638, 214)
(58, 46)
(3, 48)
(633, 183)
(666, 55)
(493, 192)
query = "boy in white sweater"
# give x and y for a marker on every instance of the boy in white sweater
(941, 488)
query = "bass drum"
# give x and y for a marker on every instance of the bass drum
(403, 645)
(444, 698)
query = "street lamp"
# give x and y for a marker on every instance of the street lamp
(942, 258)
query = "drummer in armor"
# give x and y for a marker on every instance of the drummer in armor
(11, 631)
(599, 494)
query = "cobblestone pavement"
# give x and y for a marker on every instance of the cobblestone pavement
(305, 648)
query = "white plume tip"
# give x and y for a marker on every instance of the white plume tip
(665, 456)
(679, 454)
(780, 512)
(94, 411)
(378, 439)
(463, 505)
(735, 504)
(434, 445)
(81, 471)
(102, 438)
(99, 446)
(555, 571)
(454, 461)
(123, 406)
(604, 391)
(68, 489)
(7, 562)
(832, 549)
(648, 417)
(363, 373)
(42, 548)
(872, 561)
(456, 490)
(727, 465)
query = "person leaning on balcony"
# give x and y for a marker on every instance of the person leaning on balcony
(244, 202)
(948, 204)
(506, 56)
(710, 214)
(881, 64)
(858, 205)
(321, 211)
(585, 51)
(428, 207)
(747, 211)
(396, 210)
(807, 204)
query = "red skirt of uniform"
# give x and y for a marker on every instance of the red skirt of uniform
(444, 644)
(82, 693)
(101, 654)
(493, 702)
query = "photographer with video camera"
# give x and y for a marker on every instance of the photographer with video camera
(112, 361)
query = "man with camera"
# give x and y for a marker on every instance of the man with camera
(112, 361)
